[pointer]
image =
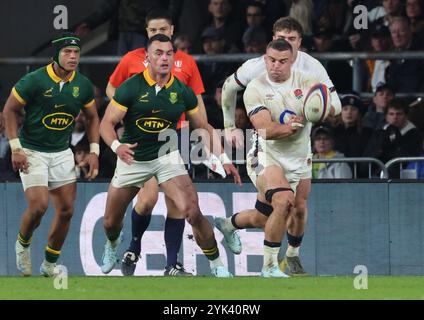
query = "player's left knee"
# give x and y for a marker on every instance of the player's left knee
(301, 210)
(193, 216)
(66, 213)
(281, 199)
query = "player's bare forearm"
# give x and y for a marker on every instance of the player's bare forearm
(11, 114)
(112, 117)
(229, 100)
(271, 130)
(107, 132)
(201, 106)
(110, 90)
(276, 131)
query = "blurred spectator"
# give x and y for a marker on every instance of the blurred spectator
(192, 20)
(417, 167)
(323, 148)
(214, 107)
(101, 102)
(380, 42)
(302, 11)
(182, 42)
(398, 138)
(333, 17)
(384, 14)
(350, 136)
(340, 72)
(222, 20)
(78, 133)
(242, 122)
(213, 41)
(405, 75)
(212, 71)
(127, 20)
(375, 118)
(107, 157)
(81, 150)
(255, 14)
(415, 13)
(255, 40)
(274, 9)
(416, 113)
(4, 142)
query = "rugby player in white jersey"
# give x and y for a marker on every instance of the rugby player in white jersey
(290, 30)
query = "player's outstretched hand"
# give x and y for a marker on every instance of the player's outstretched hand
(234, 137)
(93, 163)
(20, 161)
(125, 153)
(230, 169)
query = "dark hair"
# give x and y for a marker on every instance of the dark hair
(158, 37)
(398, 104)
(158, 14)
(253, 3)
(287, 23)
(279, 45)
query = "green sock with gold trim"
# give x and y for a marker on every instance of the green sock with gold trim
(52, 255)
(24, 241)
(211, 254)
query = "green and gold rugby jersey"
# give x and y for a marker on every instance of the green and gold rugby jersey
(149, 112)
(51, 107)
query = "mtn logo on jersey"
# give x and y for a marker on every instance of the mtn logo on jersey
(152, 124)
(269, 96)
(298, 94)
(58, 121)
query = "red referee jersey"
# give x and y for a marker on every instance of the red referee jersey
(184, 68)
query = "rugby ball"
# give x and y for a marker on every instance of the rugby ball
(317, 103)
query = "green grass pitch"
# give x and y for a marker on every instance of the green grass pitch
(208, 288)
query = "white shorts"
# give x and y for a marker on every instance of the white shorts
(135, 175)
(49, 169)
(302, 170)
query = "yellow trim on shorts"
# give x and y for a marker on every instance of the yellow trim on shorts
(48, 249)
(90, 104)
(193, 110)
(119, 106)
(17, 96)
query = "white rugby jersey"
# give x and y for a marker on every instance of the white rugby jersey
(282, 100)
(304, 62)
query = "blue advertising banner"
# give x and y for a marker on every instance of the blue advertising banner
(378, 225)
